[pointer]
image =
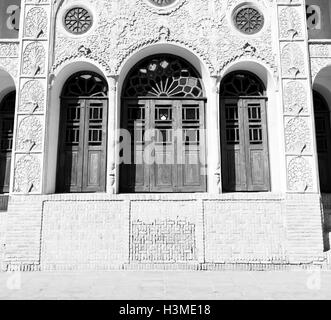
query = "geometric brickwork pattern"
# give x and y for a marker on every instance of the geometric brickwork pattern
(163, 241)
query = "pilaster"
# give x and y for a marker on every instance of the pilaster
(298, 114)
(30, 118)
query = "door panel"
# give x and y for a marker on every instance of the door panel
(233, 145)
(70, 164)
(134, 171)
(245, 164)
(95, 144)
(174, 147)
(163, 172)
(192, 156)
(71, 169)
(82, 145)
(256, 145)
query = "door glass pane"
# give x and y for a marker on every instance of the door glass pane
(95, 123)
(73, 124)
(191, 124)
(136, 123)
(232, 123)
(255, 124)
(164, 124)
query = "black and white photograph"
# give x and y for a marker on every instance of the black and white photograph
(165, 150)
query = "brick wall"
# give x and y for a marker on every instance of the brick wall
(24, 232)
(245, 231)
(65, 232)
(87, 235)
(304, 227)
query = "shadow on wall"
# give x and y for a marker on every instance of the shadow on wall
(327, 225)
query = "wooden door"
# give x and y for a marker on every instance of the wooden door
(244, 145)
(323, 137)
(192, 168)
(167, 146)
(82, 146)
(7, 111)
(163, 123)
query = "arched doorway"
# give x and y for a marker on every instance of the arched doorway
(245, 156)
(83, 134)
(323, 137)
(7, 113)
(163, 109)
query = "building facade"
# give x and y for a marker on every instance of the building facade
(172, 134)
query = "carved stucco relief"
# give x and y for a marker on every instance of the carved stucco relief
(300, 175)
(36, 23)
(27, 175)
(320, 55)
(293, 62)
(127, 26)
(290, 23)
(295, 97)
(297, 136)
(34, 57)
(9, 60)
(29, 134)
(32, 97)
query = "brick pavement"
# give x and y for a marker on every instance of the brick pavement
(151, 285)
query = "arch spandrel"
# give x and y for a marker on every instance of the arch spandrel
(121, 31)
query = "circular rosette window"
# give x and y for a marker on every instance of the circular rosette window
(248, 19)
(78, 20)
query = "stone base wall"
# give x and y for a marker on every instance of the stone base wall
(101, 232)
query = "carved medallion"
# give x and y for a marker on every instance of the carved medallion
(162, 3)
(78, 20)
(249, 20)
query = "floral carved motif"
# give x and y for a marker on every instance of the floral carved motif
(36, 23)
(295, 98)
(34, 59)
(29, 135)
(32, 97)
(27, 174)
(297, 136)
(300, 176)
